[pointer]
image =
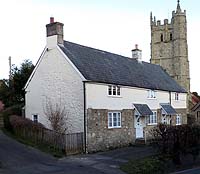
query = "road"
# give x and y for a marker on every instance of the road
(17, 158)
(189, 171)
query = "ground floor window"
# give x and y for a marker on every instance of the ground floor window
(114, 119)
(35, 118)
(178, 119)
(166, 119)
(153, 118)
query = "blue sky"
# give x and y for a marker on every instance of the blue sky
(111, 25)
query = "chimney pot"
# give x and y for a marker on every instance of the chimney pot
(51, 20)
(136, 46)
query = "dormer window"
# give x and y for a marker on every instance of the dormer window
(114, 90)
(176, 96)
(151, 94)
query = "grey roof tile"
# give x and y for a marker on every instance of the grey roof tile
(104, 67)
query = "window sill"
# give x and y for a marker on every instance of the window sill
(152, 124)
(114, 127)
(115, 96)
(152, 98)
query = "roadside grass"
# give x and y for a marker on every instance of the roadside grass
(149, 165)
(42, 147)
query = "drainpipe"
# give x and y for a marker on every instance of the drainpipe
(170, 98)
(84, 105)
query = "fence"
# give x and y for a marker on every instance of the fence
(68, 143)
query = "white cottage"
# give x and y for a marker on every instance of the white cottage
(111, 98)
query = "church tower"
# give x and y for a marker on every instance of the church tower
(169, 47)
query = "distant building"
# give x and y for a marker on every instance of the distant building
(169, 47)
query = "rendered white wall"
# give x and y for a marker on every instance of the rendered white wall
(97, 98)
(58, 81)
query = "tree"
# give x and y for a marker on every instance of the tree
(12, 91)
(57, 117)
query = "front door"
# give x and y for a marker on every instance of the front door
(138, 127)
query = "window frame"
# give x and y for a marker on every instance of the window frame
(114, 91)
(153, 119)
(151, 94)
(112, 121)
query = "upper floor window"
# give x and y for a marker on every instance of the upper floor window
(151, 94)
(176, 96)
(113, 90)
(178, 119)
(114, 119)
(35, 118)
(153, 118)
(161, 37)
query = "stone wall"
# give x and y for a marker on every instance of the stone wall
(101, 138)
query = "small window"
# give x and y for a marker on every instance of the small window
(153, 118)
(176, 96)
(35, 118)
(113, 90)
(161, 37)
(114, 120)
(171, 36)
(151, 94)
(178, 119)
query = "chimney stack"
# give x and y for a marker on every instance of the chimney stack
(54, 33)
(51, 20)
(137, 53)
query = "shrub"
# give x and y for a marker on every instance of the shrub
(177, 140)
(14, 110)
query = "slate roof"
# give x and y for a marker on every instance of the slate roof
(196, 107)
(169, 110)
(104, 67)
(143, 109)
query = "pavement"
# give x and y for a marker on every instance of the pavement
(17, 158)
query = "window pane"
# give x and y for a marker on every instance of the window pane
(114, 119)
(109, 90)
(114, 90)
(110, 119)
(119, 119)
(118, 90)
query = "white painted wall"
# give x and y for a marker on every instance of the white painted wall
(57, 80)
(97, 98)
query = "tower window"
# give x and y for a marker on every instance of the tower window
(161, 37)
(170, 36)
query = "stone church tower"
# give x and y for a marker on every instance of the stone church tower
(169, 46)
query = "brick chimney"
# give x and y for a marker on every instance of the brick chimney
(54, 33)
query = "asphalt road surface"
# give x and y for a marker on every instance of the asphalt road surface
(17, 158)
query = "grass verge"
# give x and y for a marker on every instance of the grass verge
(148, 165)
